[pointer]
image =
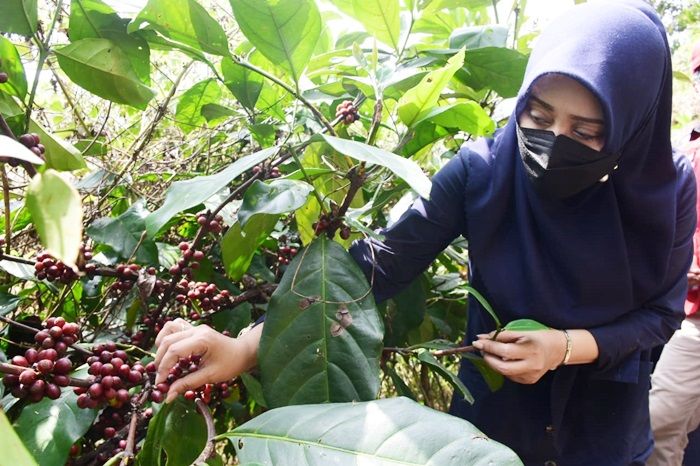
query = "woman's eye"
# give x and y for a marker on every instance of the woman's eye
(586, 136)
(538, 119)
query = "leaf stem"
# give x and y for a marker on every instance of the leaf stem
(211, 433)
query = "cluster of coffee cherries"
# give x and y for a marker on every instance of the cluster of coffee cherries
(126, 276)
(190, 260)
(49, 268)
(210, 392)
(205, 295)
(215, 225)
(347, 111)
(113, 376)
(285, 254)
(32, 141)
(57, 334)
(183, 367)
(45, 373)
(150, 323)
(273, 172)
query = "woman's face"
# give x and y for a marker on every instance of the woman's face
(560, 104)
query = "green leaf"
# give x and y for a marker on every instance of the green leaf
(57, 213)
(524, 325)
(401, 388)
(285, 31)
(19, 17)
(182, 195)
(123, 234)
(500, 69)
(422, 98)
(49, 427)
(215, 112)
(254, 389)
(101, 67)
(380, 18)
(475, 37)
(8, 303)
(394, 431)
(427, 358)
(11, 63)
(239, 244)
(95, 19)
(469, 117)
(321, 312)
(14, 451)
(424, 134)
(60, 154)
(178, 430)
(275, 197)
(493, 379)
(405, 169)
(189, 108)
(185, 22)
(13, 149)
(90, 18)
(243, 83)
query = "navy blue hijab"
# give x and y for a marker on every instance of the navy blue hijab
(591, 259)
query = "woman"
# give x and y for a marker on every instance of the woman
(578, 216)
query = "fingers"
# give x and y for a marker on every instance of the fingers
(191, 381)
(506, 336)
(194, 343)
(177, 325)
(505, 350)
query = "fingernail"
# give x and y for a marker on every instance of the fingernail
(171, 396)
(478, 345)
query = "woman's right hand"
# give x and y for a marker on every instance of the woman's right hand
(222, 357)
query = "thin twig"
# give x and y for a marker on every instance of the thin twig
(6, 201)
(211, 433)
(19, 260)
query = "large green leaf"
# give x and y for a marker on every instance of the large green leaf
(11, 63)
(469, 117)
(96, 19)
(275, 197)
(179, 431)
(8, 303)
(405, 169)
(239, 244)
(60, 154)
(323, 335)
(57, 213)
(182, 195)
(19, 17)
(500, 69)
(101, 67)
(50, 427)
(380, 18)
(188, 115)
(422, 98)
(394, 431)
(242, 82)
(424, 134)
(475, 37)
(124, 232)
(14, 451)
(13, 149)
(185, 22)
(285, 31)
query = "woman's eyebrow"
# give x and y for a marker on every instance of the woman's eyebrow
(549, 107)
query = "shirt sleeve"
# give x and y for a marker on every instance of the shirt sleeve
(652, 325)
(414, 241)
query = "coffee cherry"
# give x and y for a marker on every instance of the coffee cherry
(4, 77)
(27, 377)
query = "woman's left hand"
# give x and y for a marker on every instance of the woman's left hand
(523, 357)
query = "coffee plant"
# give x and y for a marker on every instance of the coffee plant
(213, 161)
